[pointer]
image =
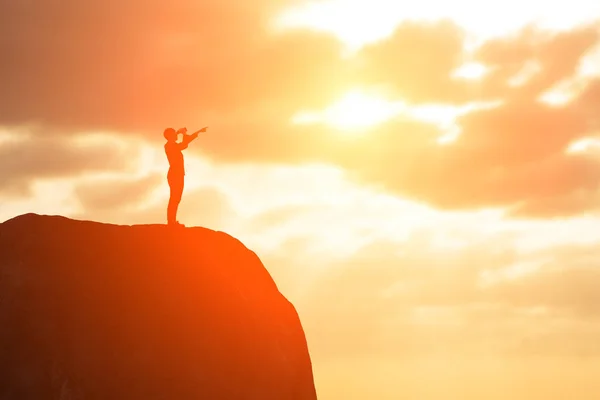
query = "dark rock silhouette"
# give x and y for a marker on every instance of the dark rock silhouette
(97, 311)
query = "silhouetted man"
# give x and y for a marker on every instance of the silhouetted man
(176, 173)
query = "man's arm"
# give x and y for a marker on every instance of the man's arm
(188, 138)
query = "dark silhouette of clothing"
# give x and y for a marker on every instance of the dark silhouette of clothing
(176, 173)
(175, 155)
(176, 182)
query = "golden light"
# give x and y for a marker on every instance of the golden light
(355, 111)
(583, 145)
(359, 22)
(358, 110)
(515, 271)
(529, 70)
(449, 137)
(470, 71)
(568, 89)
(444, 117)
(345, 19)
(556, 97)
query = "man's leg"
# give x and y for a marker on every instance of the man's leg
(176, 191)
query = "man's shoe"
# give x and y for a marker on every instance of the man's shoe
(175, 223)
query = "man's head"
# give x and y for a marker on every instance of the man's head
(170, 134)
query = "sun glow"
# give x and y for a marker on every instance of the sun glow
(470, 71)
(355, 111)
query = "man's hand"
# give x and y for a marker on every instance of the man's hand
(197, 132)
(182, 130)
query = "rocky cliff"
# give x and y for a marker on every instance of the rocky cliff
(97, 311)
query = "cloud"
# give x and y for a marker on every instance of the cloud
(115, 193)
(556, 56)
(26, 159)
(506, 156)
(510, 155)
(558, 206)
(589, 100)
(204, 206)
(416, 62)
(137, 65)
(396, 299)
(567, 282)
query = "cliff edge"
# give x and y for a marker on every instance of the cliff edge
(98, 311)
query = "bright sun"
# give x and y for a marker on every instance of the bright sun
(355, 111)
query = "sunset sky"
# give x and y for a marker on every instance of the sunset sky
(420, 178)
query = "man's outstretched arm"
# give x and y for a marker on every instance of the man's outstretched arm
(188, 138)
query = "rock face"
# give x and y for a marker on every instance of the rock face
(96, 311)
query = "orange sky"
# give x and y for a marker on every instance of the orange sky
(421, 180)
